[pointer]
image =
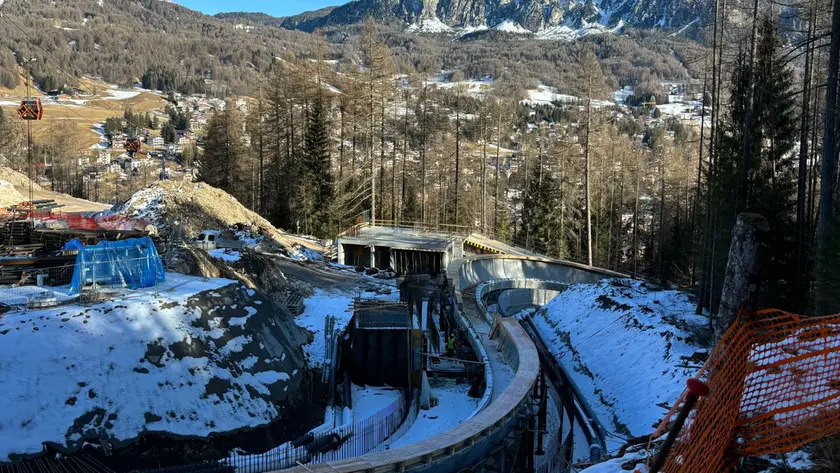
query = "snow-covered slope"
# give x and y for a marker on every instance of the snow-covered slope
(516, 16)
(203, 356)
(628, 347)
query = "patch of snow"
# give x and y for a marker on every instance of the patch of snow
(370, 400)
(615, 465)
(564, 33)
(454, 407)
(324, 303)
(430, 25)
(302, 253)
(225, 254)
(510, 26)
(116, 94)
(70, 362)
(620, 336)
(146, 204)
(546, 95)
(473, 29)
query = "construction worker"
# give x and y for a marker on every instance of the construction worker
(450, 345)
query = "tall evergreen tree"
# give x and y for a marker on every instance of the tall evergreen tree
(316, 173)
(225, 152)
(771, 183)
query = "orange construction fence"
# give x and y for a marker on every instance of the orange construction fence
(774, 383)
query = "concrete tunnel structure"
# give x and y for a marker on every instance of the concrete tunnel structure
(512, 279)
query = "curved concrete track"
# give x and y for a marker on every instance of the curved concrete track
(507, 393)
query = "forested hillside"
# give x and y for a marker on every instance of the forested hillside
(121, 40)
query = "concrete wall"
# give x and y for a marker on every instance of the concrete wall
(487, 268)
(515, 300)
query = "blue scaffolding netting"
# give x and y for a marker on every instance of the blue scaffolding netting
(133, 263)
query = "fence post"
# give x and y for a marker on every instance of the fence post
(696, 390)
(93, 279)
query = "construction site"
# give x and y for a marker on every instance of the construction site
(179, 331)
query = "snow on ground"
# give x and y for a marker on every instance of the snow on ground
(430, 25)
(636, 460)
(679, 109)
(225, 254)
(164, 362)
(622, 343)
(370, 400)
(454, 406)
(146, 204)
(116, 94)
(474, 87)
(302, 253)
(510, 26)
(325, 302)
(99, 129)
(472, 29)
(545, 95)
(24, 296)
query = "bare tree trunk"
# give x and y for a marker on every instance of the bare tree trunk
(636, 221)
(394, 167)
(696, 205)
(829, 154)
(661, 265)
(404, 156)
(457, 154)
(484, 171)
(803, 157)
(743, 194)
(740, 286)
(423, 157)
(498, 164)
(708, 234)
(586, 173)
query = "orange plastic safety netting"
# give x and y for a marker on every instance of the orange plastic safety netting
(774, 383)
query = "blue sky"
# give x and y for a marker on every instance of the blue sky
(272, 7)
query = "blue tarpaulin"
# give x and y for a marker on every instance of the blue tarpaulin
(132, 263)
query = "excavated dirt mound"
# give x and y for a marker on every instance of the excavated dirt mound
(20, 181)
(175, 206)
(9, 195)
(255, 270)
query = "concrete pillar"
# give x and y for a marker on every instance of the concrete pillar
(393, 259)
(373, 256)
(340, 252)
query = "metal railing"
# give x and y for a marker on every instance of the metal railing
(348, 441)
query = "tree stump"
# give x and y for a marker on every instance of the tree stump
(740, 285)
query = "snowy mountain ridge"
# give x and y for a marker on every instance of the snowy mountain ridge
(512, 16)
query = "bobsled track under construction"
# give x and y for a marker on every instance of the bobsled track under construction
(506, 432)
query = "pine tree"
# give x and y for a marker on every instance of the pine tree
(317, 173)
(771, 180)
(225, 152)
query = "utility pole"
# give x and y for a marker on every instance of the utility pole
(29, 169)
